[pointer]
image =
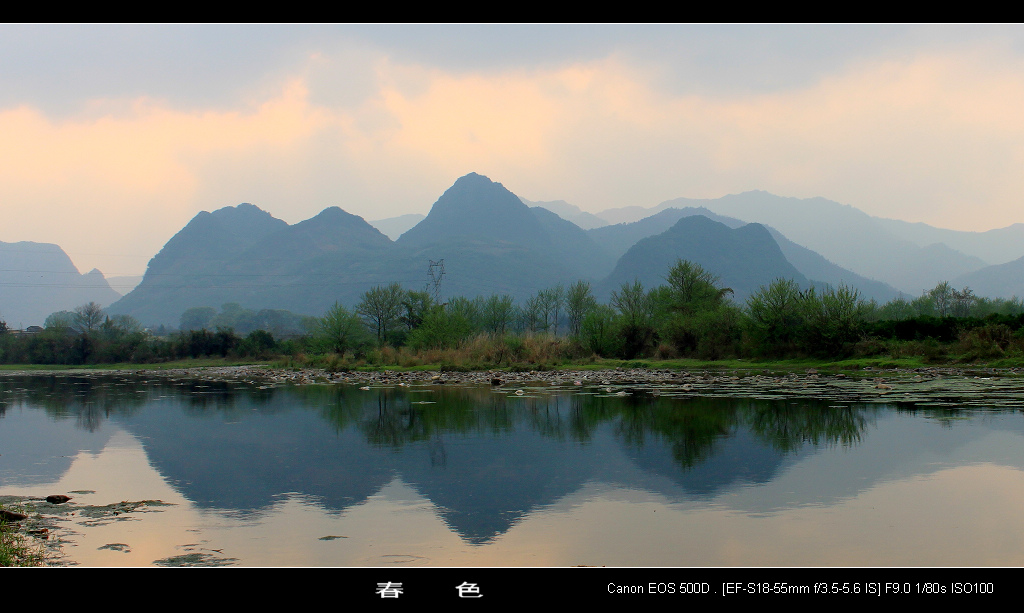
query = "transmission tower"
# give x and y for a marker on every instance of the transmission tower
(436, 272)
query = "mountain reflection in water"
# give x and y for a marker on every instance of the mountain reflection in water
(486, 458)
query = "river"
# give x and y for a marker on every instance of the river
(180, 472)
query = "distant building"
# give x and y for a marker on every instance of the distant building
(28, 330)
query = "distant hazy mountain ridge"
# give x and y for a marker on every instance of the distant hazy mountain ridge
(37, 279)
(393, 227)
(569, 212)
(619, 238)
(844, 235)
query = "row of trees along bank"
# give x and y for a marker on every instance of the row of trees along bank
(690, 315)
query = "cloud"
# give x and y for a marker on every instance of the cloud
(929, 137)
(922, 137)
(133, 171)
(933, 136)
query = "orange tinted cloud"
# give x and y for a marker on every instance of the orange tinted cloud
(932, 137)
(124, 174)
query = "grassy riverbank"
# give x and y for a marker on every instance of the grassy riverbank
(848, 365)
(173, 365)
(16, 547)
(332, 363)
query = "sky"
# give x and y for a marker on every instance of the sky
(112, 137)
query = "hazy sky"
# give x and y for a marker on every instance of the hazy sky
(113, 137)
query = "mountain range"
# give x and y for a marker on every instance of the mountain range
(491, 241)
(909, 257)
(494, 242)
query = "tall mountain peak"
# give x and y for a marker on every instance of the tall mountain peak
(475, 191)
(478, 208)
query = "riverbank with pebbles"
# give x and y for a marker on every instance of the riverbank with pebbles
(947, 386)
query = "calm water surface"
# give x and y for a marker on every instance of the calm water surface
(473, 476)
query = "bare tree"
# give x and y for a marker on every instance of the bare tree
(579, 301)
(531, 314)
(636, 311)
(498, 313)
(963, 302)
(88, 317)
(549, 304)
(633, 303)
(942, 295)
(557, 302)
(381, 308)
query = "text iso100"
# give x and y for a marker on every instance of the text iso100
(964, 587)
